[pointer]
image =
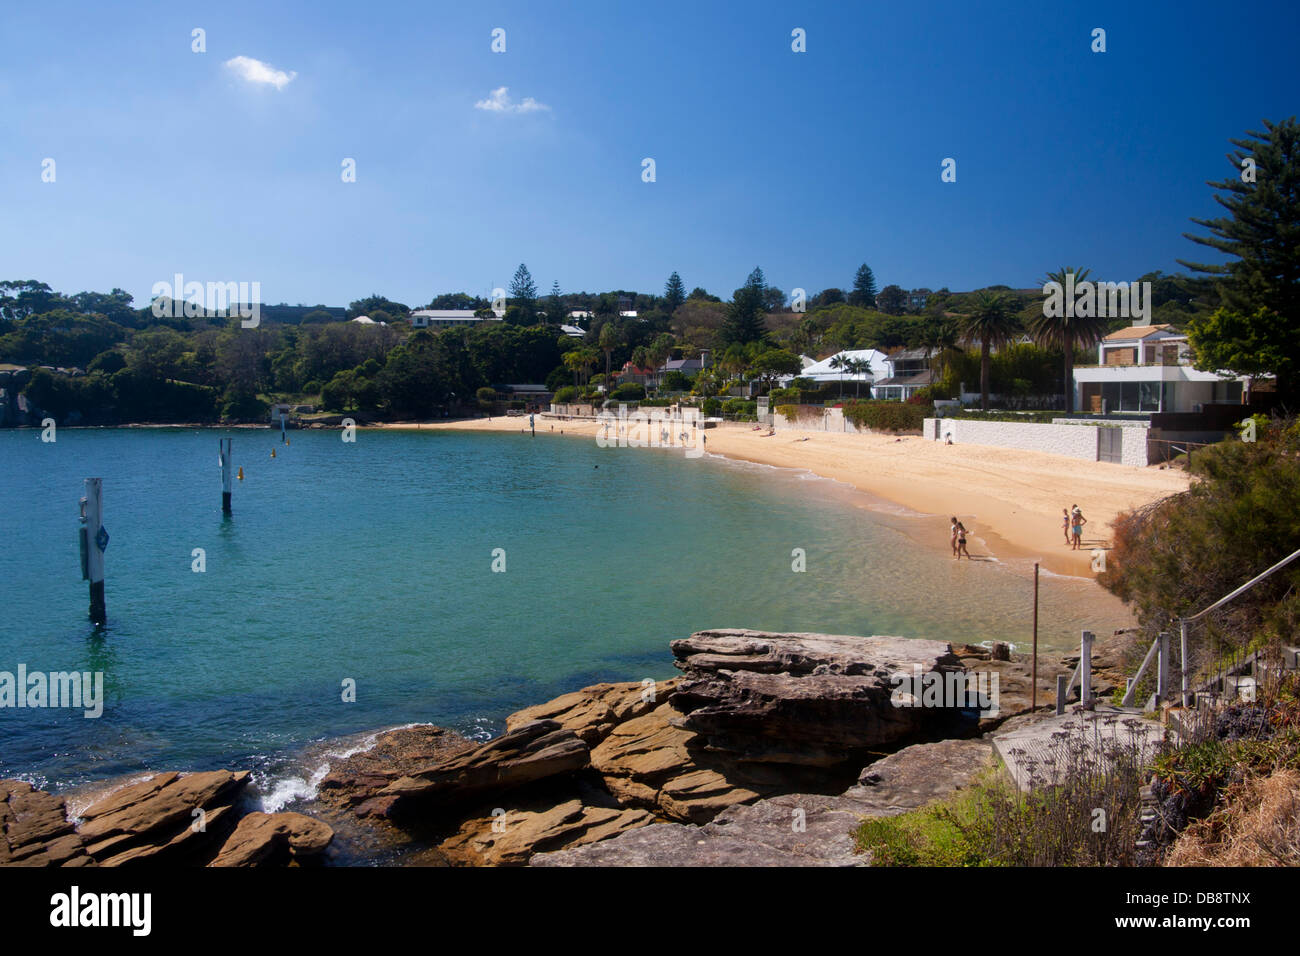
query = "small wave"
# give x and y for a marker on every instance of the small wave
(83, 798)
(277, 792)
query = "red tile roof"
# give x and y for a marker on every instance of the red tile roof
(1137, 332)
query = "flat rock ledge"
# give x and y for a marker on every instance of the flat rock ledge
(804, 699)
(164, 819)
(797, 829)
(755, 717)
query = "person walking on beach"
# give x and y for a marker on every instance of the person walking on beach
(953, 531)
(1065, 524)
(961, 542)
(1077, 521)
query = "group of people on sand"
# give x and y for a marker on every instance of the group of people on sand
(1072, 522)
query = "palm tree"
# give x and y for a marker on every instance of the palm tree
(611, 337)
(575, 360)
(929, 339)
(1067, 331)
(840, 362)
(858, 367)
(947, 341)
(990, 323)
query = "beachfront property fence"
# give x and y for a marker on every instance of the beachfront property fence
(1087, 439)
(815, 418)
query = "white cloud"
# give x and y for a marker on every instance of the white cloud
(499, 102)
(255, 71)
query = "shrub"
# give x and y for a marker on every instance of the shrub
(628, 392)
(711, 407)
(566, 395)
(674, 381)
(993, 823)
(740, 409)
(887, 416)
(1243, 513)
(945, 834)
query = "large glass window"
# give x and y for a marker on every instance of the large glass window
(1131, 396)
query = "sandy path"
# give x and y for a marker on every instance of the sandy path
(1009, 498)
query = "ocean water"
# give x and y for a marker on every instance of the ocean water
(372, 562)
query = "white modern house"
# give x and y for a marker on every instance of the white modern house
(1148, 368)
(446, 318)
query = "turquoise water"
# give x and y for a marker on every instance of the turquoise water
(373, 562)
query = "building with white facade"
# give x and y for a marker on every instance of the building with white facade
(1148, 368)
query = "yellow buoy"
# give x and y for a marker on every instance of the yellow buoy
(272, 452)
(241, 472)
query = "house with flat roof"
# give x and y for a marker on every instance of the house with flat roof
(446, 318)
(1148, 368)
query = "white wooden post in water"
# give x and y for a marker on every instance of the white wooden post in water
(94, 541)
(225, 474)
(1085, 668)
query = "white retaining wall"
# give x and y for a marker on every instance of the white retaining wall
(1074, 441)
(828, 420)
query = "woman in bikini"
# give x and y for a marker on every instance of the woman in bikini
(1065, 524)
(961, 542)
(953, 530)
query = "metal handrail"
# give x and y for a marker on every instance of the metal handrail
(1184, 623)
(1245, 587)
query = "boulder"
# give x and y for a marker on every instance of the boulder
(919, 775)
(594, 711)
(648, 762)
(35, 829)
(817, 700)
(509, 839)
(355, 781)
(269, 838)
(155, 818)
(528, 753)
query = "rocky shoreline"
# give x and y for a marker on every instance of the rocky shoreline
(767, 750)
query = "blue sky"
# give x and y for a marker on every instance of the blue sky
(804, 163)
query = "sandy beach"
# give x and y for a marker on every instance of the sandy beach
(1009, 499)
